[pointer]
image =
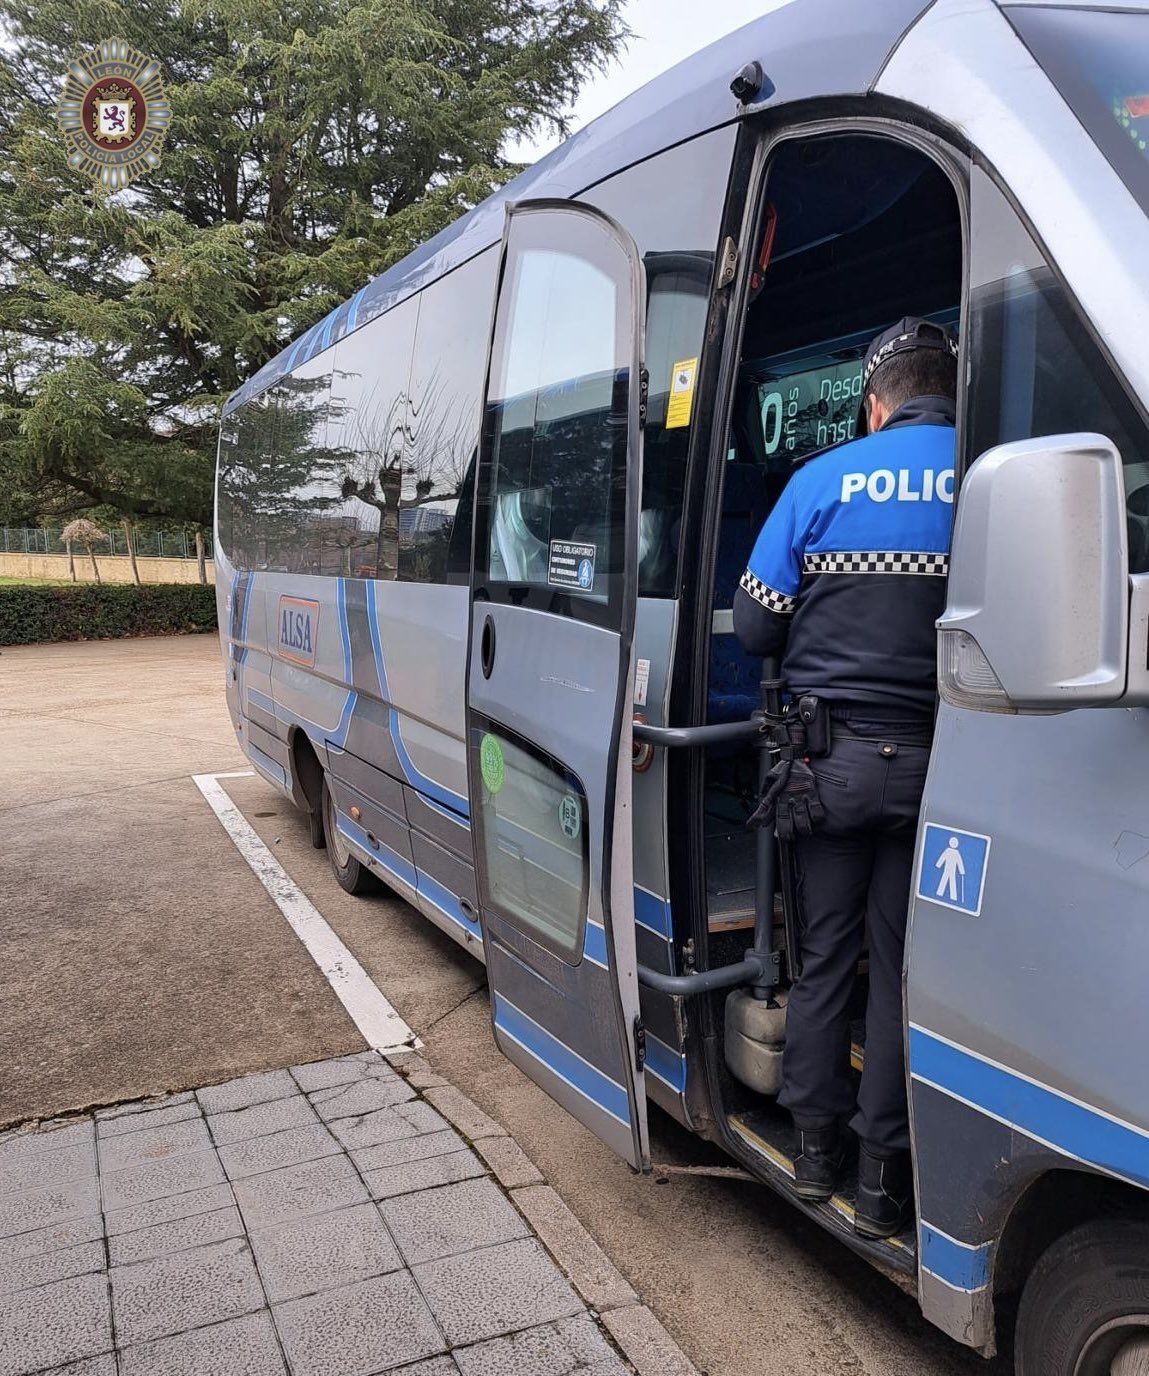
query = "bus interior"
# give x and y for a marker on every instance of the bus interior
(855, 232)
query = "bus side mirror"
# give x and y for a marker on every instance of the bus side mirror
(1037, 611)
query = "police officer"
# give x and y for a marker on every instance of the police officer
(845, 583)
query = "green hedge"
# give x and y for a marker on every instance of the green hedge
(87, 611)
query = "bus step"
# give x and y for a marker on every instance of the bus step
(771, 1138)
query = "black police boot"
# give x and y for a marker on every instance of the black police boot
(885, 1192)
(821, 1149)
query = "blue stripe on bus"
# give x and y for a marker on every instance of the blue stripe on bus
(265, 764)
(447, 903)
(316, 733)
(1034, 1109)
(963, 1265)
(418, 780)
(594, 944)
(353, 310)
(652, 912)
(665, 1063)
(585, 1078)
(387, 858)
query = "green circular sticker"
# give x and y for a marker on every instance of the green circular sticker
(491, 763)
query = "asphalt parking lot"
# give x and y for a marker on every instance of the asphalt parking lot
(140, 955)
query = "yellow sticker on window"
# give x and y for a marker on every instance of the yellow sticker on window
(681, 396)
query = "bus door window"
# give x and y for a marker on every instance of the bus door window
(677, 237)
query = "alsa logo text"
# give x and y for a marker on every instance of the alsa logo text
(298, 629)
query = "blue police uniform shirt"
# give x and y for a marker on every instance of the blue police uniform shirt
(847, 577)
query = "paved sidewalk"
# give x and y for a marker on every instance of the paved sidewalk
(323, 1221)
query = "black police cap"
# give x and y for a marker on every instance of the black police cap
(911, 332)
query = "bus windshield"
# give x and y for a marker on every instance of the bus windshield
(1099, 61)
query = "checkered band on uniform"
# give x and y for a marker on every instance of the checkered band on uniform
(876, 561)
(773, 601)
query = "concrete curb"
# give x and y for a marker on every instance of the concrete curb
(639, 1334)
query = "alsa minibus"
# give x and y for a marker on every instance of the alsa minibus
(479, 532)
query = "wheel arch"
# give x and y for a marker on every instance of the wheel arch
(306, 772)
(1051, 1205)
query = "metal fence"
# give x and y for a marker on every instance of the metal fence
(171, 544)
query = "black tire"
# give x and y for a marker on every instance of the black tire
(351, 876)
(1085, 1307)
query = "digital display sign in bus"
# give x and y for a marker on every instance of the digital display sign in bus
(808, 411)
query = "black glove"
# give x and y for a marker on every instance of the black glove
(790, 802)
(776, 781)
(800, 809)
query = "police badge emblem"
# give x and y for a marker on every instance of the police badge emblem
(113, 113)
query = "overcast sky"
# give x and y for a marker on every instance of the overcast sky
(665, 31)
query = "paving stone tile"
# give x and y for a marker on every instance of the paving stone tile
(41, 1240)
(237, 1347)
(401, 1150)
(164, 1210)
(136, 1117)
(49, 1136)
(80, 1260)
(455, 1218)
(485, 1293)
(422, 1117)
(415, 1070)
(153, 1101)
(471, 1121)
(32, 1170)
(511, 1165)
(384, 1125)
(372, 1326)
(48, 1206)
(435, 1366)
(324, 1252)
(250, 1089)
(157, 1179)
(55, 1323)
(315, 1187)
(151, 1299)
(104, 1365)
(157, 1143)
(423, 1175)
(261, 1119)
(554, 1349)
(176, 1236)
(342, 1070)
(287, 1148)
(363, 1096)
(648, 1346)
(591, 1271)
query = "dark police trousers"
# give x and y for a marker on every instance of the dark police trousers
(854, 877)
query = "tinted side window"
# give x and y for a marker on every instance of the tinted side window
(672, 206)
(1036, 371)
(369, 392)
(278, 487)
(443, 422)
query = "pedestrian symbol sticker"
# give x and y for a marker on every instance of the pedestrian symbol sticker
(952, 866)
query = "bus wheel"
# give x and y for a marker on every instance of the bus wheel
(1085, 1307)
(350, 875)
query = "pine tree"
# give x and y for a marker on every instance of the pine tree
(312, 144)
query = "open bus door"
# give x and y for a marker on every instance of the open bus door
(549, 680)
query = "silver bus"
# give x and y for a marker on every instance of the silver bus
(478, 535)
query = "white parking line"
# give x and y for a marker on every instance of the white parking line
(380, 1025)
